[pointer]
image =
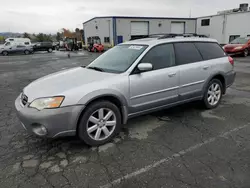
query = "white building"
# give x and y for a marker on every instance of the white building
(115, 30)
(226, 25)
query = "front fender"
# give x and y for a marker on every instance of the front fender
(103, 93)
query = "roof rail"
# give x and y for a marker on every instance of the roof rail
(173, 35)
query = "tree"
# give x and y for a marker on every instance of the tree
(58, 36)
(26, 35)
(2, 39)
(43, 38)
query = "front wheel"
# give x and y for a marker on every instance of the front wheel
(100, 123)
(245, 53)
(5, 53)
(213, 94)
(26, 52)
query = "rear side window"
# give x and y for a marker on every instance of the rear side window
(210, 50)
(160, 57)
(186, 53)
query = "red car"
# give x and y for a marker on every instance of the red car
(239, 46)
(95, 45)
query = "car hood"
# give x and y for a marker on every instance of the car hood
(60, 82)
(233, 45)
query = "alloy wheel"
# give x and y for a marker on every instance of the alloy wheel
(245, 52)
(101, 124)
(214, 94)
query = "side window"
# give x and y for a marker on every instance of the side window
(160, 57)
(186, 53)
(26, 43)
(232, 37)
(205, 22)
(210, 50)
(7, 44)
(106, 40)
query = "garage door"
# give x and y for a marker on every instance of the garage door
(177, 27)
(139, 28)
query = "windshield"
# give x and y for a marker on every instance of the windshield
(240, 40)
(119, 58)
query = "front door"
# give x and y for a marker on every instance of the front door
(158, 87)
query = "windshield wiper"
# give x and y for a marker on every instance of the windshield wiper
(96, 68)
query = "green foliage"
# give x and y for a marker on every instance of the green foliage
(26, 35)
(43, 37)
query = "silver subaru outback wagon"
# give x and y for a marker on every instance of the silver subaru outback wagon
(131, 79)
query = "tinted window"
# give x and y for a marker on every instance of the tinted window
(26, 43)
(210, 50)
(186, 53)
(240, 40)
(161, 56)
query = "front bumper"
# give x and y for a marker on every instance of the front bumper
(57, 122)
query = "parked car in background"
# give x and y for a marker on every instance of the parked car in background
(239, 46)
(44, 46)
(11, 49)
(131, 79)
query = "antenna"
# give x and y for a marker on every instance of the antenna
(190, 13)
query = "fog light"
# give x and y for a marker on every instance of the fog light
(39, 130)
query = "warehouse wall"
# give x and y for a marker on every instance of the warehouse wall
(105, 29)
(123, 26)
(237, 24)
(214, 30)
(234, 24)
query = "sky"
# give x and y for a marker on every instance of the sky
(50, 16)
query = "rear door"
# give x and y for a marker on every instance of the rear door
(157, 87)
(193, 70)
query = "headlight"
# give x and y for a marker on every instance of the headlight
(49, 103)
(238, 48)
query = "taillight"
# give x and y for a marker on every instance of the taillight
(231, 60)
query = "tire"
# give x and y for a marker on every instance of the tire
(213, 94)
(5, 53)
(50, 50)
(100, 132)
(245, 53)
(26, 52)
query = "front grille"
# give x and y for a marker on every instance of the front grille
(24, 99)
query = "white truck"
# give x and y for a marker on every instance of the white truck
(17, 41)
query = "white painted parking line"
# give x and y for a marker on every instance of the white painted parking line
(169, 159)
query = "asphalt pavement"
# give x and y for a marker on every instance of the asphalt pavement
(182, 147)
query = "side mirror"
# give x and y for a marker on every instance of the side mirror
(143, 67)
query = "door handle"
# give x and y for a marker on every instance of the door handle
(205, 67)
(172, 74)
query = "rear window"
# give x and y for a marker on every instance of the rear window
(210, 50)
(186, 53)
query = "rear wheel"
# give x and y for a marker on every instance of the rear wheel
(245, 53)
(213, 94)
(50, 50)
(5, 53)
(100, 123)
